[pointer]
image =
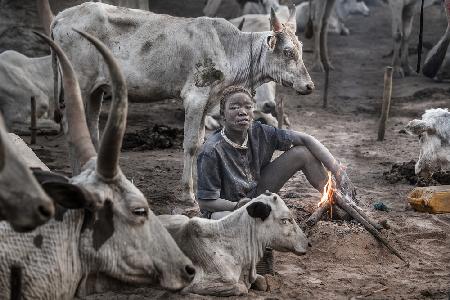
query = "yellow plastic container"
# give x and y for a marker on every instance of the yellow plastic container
(431, 199)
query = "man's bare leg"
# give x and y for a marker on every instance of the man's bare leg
(279, 171)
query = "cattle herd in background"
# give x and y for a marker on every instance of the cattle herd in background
(61, 230)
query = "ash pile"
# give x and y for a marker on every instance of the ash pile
(405, 172)
(156, 137)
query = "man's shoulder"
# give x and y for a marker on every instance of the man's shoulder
(212, 143)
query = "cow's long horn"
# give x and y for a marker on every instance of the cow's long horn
(275, 24)
(292, 16)
(79, 135)
(45, 14)
(111, 142)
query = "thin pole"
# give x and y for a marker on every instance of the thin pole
(387, 93)
(33, 127)
(280, 112)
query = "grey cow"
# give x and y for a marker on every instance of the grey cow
(434, 136)
(170, 57)
(226, 251)
(23, 203)
(110, 229)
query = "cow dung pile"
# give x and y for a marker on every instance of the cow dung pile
(405, 171)
(150, 138)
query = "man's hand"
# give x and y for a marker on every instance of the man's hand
(242, 202)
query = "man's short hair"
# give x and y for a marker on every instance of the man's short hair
(231, 90)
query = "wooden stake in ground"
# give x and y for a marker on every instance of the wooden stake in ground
(280, 112)
(33, 127)
(325, 90)
(387, 93)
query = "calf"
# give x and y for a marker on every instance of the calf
(171, 57)
(434, 136)
(226, 251)
(110, 229)
(23, 203)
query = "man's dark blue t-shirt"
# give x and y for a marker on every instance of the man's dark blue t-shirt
(232, 174)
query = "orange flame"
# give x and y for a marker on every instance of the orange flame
(328, 191)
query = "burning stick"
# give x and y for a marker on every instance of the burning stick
(331, 196)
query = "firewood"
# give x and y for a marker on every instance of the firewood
(317, 214)
(339, 199)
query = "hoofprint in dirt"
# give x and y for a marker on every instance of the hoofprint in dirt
(345, 261)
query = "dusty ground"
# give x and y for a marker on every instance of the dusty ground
(344, 261)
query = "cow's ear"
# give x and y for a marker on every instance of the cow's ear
(69, 195)
(47, 176)
(271, 42)
(241, 25)
(417, 127)
(2, 154)
(259, 210)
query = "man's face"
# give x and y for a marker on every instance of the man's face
(238, 112)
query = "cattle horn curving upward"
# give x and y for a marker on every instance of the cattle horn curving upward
(79, 135)
(111, 142)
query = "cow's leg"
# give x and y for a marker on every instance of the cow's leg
(397, 35)
(408, 17)
(195, 110)
(319, 11)
(93, 106)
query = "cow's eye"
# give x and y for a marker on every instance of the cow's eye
(288, 53)
(285, 221)
(140, 211)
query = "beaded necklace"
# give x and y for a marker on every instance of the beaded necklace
(237, 146)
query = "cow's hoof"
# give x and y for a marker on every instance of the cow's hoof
(260, 284)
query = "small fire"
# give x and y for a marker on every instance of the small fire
(328, 191)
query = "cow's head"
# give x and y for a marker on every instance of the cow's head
(121, 237)
(284, 55)
(433, 131)
(354, 7)
(277, 224)
(23, 203)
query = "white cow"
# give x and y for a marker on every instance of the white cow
(23, 203)
(22, 77)
(171, 57)
(342, 10)
(226, 251)
(139, 4)
(110, 229)
(260, 7)
(434, 136)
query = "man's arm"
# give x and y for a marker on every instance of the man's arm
(317, 149)
(218, 204)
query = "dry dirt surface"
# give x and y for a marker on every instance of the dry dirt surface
(344, 262)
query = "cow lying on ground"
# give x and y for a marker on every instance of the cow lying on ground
(342, 10)
(434, 136)
(22, 77)
(226, 251)
(23, 203)
(170, 57)
(110, 229)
